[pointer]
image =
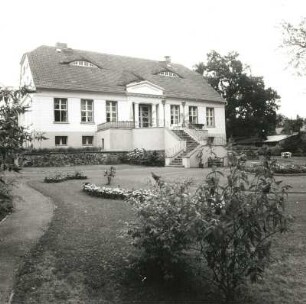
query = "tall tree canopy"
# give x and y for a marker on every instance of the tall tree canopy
(294, 41)
(251, 107)
(290, 125)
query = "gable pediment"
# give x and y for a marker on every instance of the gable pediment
(144, 87)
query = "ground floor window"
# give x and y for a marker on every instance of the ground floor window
(87, 140)
(175, 114)
(61, 140)
(193, 115)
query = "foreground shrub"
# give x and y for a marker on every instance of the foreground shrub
(166, 225)
(226, 228)
(60, 177)
(237, 241)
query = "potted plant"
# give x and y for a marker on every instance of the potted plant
(200, 157)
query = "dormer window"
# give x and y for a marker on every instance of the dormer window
(83, 63)
(168, 74)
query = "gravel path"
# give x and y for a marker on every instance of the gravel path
(19, 232)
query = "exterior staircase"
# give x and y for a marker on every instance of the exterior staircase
(191, 144)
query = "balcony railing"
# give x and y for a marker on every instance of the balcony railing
(116, 125)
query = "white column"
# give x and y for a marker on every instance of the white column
(184, 113)
(131, 118)
(163, 111)
(136, 115)
(154, 122)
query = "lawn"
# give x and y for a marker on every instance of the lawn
(83, 257)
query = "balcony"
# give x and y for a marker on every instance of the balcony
(116, 125)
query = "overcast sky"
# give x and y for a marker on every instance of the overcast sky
(184, 29)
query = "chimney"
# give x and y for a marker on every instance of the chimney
(60, 45)
(168, 59)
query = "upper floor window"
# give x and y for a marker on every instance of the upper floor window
(86, 110)
(210, 117)
(168, 74)
(193, 115)
(83, 63)
(111, 111)
(175, 114)
(60, 110)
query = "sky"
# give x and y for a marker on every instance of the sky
(186, 30)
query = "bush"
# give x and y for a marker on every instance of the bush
(6, 207)
(237, 241)
(6, 204)
(145, 158)
(275, 151)
(165, 225)
(251, 152)
(227, 228)
(59, 159)
(60, 177)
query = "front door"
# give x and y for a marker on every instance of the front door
(145, 116)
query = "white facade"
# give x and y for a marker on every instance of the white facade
(140, 114)
(41, 117)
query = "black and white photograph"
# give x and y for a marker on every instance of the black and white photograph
(152, 152)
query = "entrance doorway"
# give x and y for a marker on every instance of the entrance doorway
(145, 116)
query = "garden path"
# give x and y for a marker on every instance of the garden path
(20, 231)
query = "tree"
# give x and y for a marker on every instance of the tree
(251, 107)
(38, 136)
(294, 41)
(12, 136)
(292, 125)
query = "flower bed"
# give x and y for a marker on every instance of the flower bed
(59, 177)
(289, 169)
(278, 168)
(115, 193)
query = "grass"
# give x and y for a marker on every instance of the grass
(285, 280)
(82, 258)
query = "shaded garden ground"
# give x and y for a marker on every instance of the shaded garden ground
(83, 258)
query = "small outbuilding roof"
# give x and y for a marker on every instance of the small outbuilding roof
(278, 138)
